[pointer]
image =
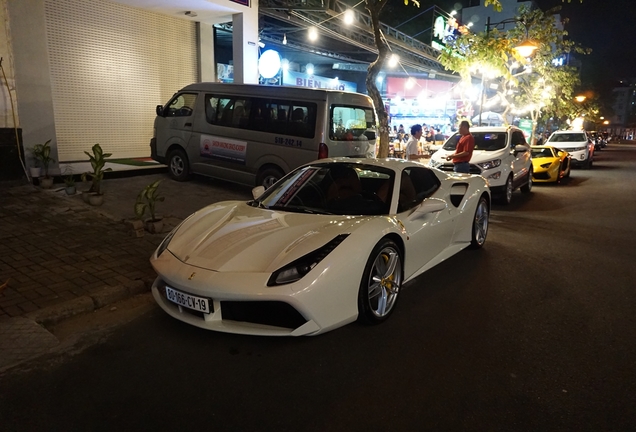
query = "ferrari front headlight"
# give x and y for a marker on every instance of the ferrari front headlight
(546, 165)
(296, 270)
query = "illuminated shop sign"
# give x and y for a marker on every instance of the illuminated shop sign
(445, 30)
(297, 79)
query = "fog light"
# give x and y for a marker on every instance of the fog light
(495, 176)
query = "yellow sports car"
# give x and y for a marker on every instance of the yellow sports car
(549, 164)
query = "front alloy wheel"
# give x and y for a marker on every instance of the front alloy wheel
(178, 166)
(381, 283)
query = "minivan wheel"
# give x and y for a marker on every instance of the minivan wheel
(178, 165)
(268, 176)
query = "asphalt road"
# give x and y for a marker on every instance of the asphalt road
(535, 332)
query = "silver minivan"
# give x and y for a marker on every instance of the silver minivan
(254, 135)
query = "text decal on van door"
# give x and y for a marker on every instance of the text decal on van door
(223, 148)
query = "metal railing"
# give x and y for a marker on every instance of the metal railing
(413, 53)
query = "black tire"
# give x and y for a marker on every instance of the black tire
(588, 164)
(527, 188)
(381, 283)
(480, 224)
(268, 176)
(178, 165)
(506, 198)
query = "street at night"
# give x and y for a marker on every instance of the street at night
(536, 331)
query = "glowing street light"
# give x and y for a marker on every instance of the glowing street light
(348, 17)
(313, 33)
(580, 98)
(393, 60)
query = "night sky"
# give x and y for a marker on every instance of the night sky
(608, 27)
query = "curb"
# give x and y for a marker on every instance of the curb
(100, 298)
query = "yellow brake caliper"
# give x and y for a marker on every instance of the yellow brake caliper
(387, 282)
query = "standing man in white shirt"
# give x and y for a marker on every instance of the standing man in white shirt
(412, 146)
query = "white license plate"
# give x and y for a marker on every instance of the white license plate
(189, 301)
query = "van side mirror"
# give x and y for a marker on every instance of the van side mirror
(160, 110)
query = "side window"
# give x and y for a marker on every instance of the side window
(182, 105)
(416, 184)
(352, 123)
(302, 119)
(518, 138)
(229, 111)
(211, 108)
(424, 181)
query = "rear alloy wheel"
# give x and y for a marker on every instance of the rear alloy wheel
(268, 177)
(178, 165)
(480, 224)
(381, 283)
(506, 198)
(527, 188)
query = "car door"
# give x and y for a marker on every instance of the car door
(522, 160)
(175, 125)
(428, 234)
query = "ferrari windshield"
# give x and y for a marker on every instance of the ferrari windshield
(332, 188)
(487, 141)
(544, 152)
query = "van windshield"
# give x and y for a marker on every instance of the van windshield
(488, 141)
(349, 123)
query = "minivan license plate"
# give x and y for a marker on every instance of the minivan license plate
(186, 300)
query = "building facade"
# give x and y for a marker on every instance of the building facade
(80, 72)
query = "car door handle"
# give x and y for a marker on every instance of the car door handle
(188, 124)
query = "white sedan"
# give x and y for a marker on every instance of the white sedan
(331, 242)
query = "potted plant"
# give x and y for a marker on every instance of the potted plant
(147, 201)
(42, 153)
(69, 182)
(36, 170)
(98, 161)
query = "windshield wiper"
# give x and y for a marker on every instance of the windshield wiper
(256, 203)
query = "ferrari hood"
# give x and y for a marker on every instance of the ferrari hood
(235, 237)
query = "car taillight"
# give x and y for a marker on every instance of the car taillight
(323, 151)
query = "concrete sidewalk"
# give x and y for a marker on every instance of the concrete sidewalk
(60, 257)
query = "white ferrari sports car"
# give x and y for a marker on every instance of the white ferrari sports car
(331, 242)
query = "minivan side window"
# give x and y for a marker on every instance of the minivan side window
(182, 105)
(350, 123)
(265, 115)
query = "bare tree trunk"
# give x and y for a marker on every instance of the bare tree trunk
(534, 115)
(375, 7)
